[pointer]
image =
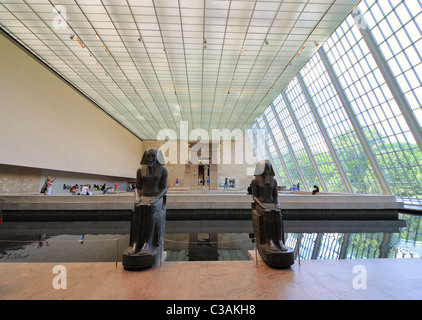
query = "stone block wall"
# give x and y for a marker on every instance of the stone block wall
(15, 179)
(25, 180)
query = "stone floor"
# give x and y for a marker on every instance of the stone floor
(385, 279)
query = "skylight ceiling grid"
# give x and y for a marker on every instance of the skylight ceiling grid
(127, 57)
(157, 99)
(265, 83)
(214, 63)
(64, 68)
(297, 58)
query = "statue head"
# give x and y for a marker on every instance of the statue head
(152, 156)
(264, 168)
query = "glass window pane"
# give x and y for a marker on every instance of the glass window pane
(396, 28)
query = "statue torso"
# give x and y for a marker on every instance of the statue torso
(149, 180)
(264, 191)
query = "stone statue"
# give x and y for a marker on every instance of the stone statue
(149, 215)
(267, 219)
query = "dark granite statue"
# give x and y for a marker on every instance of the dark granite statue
(149, 215)
(267, 219)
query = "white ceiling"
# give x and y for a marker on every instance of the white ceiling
(216, 64)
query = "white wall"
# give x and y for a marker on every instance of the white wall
(45, 123)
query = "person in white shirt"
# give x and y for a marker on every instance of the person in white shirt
(85, 191)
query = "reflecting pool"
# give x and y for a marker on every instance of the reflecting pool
(196, 241)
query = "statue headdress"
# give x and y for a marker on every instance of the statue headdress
(158, 153)
(260, 168)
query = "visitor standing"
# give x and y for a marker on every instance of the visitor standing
(48, 185)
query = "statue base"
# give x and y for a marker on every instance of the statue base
(141, 261)
(277, 259)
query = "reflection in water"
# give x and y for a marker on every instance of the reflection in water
(64, 248)
(208, 246)
(94, 242)
(43, 241)
(203, 249)
(330, 246)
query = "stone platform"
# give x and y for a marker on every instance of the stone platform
(221, 280)
(199, 206)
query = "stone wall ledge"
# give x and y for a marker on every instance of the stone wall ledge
(190, 201)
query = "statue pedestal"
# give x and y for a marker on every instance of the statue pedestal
(277, 259)
(140, 261)
(279, 262)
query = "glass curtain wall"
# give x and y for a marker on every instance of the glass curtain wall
(350, 121)
(339, 128)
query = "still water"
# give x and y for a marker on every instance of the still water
(106, 241)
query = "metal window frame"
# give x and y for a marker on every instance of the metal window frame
(267, 150)
(289, 178)
(324, 133)
(391, 81)
(358, 129)
(332, 124)
(304, 142)
(283, 132)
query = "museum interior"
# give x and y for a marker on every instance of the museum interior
(213, 149)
